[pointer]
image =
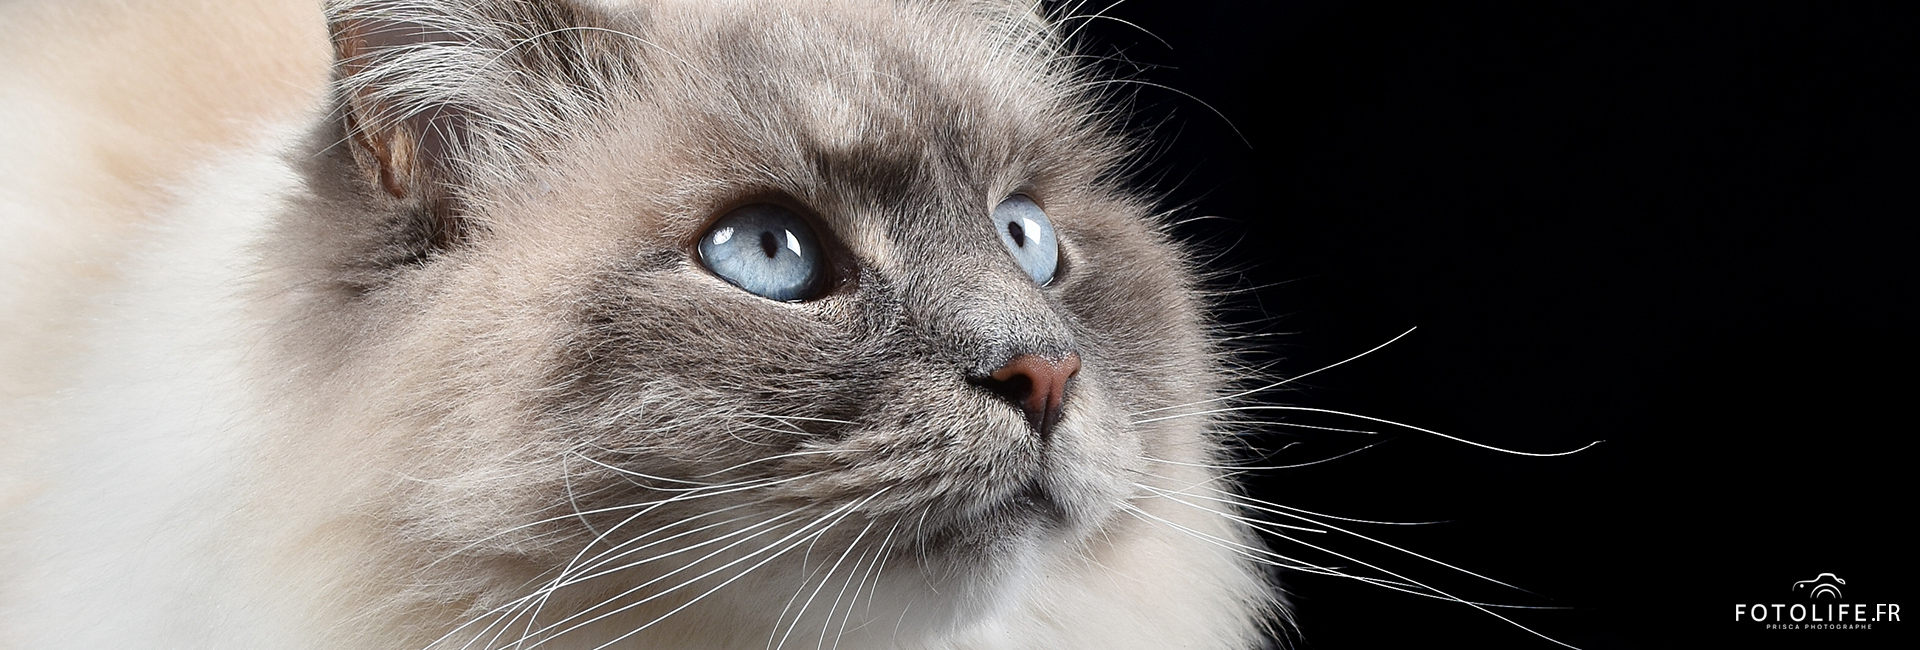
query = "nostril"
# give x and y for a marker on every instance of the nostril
(1035, 384)
(1015, 389)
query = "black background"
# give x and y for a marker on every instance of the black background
(1680, 229)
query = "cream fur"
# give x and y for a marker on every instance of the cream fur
(204, 448)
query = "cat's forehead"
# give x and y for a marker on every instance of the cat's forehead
(898, 126)
(839, 101)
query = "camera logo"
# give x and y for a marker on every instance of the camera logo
(1825, 585)
(1823, 609)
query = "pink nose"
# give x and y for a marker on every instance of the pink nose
(1038, 385)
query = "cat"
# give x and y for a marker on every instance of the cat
(519, 323)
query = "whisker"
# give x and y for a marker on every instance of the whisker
(1308, 409)
(854, 600)
(1447, 596)
(1257, 504)
(540, 597)
(1267, 467)
(790, 429)
(1163, 493)
(1282, 382)
(574, 566)
(816, 592)
(885, 544)
(1403, 587)
(849, 508)
(827, 622)
(597, 563)
(646, 506)
(1261, 424)
(573, 501)
(548, 634)
(1228, 544)
(812, 452)
(560, 580)
(731, 488)
(1170, 496)
(805, 419)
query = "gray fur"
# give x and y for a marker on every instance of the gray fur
(516, 400)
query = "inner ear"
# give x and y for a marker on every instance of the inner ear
(406, 142)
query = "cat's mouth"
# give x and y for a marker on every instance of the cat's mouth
(1020, 514)
(1034, 503)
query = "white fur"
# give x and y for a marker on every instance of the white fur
(141, 527)
(159, 488)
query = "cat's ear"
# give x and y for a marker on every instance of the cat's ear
(440, 96)
(404, 137)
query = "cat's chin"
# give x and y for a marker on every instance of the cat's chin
(1033, 506)
(1037, 515)
(956, 580)
(862, 595)
(947, 580)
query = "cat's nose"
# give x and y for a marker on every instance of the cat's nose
(1036, 384)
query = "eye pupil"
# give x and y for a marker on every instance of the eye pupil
(769, 244)
(1019, 234)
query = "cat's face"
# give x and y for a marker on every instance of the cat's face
(683, 297)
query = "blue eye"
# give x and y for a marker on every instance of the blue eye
(767, 250)
(1028, 234)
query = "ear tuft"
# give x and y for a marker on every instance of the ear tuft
(406, 142)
